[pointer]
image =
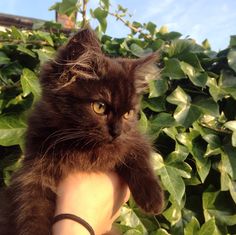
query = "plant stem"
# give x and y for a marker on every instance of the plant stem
(128, 24)
(84, 9)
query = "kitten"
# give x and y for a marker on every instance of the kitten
(86, 120)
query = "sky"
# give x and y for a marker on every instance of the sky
(198, 19)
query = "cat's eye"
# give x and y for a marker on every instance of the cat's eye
(129, 114)
(99, 107)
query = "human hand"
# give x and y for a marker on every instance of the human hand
(95, 197)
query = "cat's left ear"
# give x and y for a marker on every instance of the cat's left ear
(144, 70)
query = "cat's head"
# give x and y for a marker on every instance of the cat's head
(95, 98)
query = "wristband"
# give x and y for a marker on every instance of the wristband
(76, 219)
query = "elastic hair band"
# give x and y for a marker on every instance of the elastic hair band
(74, 218)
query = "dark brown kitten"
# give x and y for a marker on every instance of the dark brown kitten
(86, 120)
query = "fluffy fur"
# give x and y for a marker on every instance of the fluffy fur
(66, 135)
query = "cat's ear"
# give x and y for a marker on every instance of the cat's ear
(77, 59)
(144, 70)
(83, 41)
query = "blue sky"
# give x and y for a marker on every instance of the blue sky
(199, 19)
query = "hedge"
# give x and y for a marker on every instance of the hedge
(189, 112)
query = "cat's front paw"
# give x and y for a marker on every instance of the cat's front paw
(150, 198)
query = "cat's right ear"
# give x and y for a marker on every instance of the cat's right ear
(81, 42)
(74, 59)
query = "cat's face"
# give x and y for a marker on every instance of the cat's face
(95, 98)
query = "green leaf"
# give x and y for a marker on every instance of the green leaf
(179, 46)
(185, 113)
(151, 27)
(228, 157)
(157, 88)
(161, 231)
(192, 59)
(178, 96)
(30, 83)
(4, 59)
(207, 106)
(129, 218)
(232, 126)
(12, 129)
(232, 41)
(143, 122)
(156, 104)
(173, 213)
(232, 59)
(192, 227)
(159, 122)
(172, 181)
(105, 4)
(203, 164)
(17, 34)
(173, 70)
(136, 50)
(227, 83)
(197, 78)
(170, 36)
(46, 36)
(209, 228)
(217, 204)
(45, 54)
(101, 16)
(25, 50)
(206, 44)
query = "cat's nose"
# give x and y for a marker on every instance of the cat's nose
(115, 131)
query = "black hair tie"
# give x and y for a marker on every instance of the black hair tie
(74, 218)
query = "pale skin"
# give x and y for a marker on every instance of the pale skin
(95, 197)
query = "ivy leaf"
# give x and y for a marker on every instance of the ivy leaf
(173, 70)
(25, 50)
(45, 54)
(17, 34)
(213, 202)
(129, 218)
(192, 227)
(159, 122)
(161, 231)
(4, 59)
(207, 106)
(101, 15)
(197, 78)
(232, 126)
(228, 157)
(30, 83)
(12, 130)
(209, 228)
(232, 41)
(151, 27)
(185, 113)
(232, 59)
(171, 180)
(156, 104)
(46, 36)
(136, 50)
(106, 4)
(143, 122)
(157, 88)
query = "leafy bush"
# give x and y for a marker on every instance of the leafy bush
(189, 112)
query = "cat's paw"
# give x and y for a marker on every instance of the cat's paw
(150, 199)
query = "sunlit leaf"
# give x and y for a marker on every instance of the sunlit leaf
(30, 83)
(232, 59)
(12, 129)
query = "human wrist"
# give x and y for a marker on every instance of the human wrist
(65, 227)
